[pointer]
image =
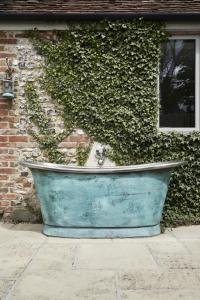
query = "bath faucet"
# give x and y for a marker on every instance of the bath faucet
(100, 155)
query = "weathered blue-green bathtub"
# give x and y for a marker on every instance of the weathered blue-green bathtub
(102, 202)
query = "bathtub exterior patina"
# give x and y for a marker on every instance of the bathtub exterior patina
(102, 202)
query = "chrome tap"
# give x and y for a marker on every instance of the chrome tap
(101, 155)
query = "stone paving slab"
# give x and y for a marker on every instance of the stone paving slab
(53, 258)
(36, 267)
(193, 246)
(162, 279)
(66, 286)
(14, 256)
(112, 257)
(189, 232)
(161, 295)
(5, 285)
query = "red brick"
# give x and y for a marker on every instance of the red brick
(3, 145)
(4, 203)
(3, 177)
(4, 55)
(3, 138)
(8, 196)
(4, 106)
(18, 138)
(2, 68)
(4, 112)
(3, 34)
(78, 138)
(7, 170)
(3, 100)
(4, 125)
(8, 119)
(8, 41)
(8, 157)
(3, 190)
(20, 35)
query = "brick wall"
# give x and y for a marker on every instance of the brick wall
(8, 119)
(15, 143)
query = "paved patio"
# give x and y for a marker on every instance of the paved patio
(33, 266)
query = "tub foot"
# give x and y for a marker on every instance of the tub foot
(101, 232)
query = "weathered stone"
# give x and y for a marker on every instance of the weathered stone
(23, 215)
(28, 67)
(159, 279)
(5, 285)
(63, 285)
(74, 269)
(106, 256)
(155, 294)
(32, 204)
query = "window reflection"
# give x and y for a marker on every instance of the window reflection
(177, 84)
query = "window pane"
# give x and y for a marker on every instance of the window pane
(177, 84)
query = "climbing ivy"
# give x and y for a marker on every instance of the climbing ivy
(105, 77)
(82, 153)
(47, 139)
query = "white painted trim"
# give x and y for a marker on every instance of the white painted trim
(177, 129)
(183, 26)
(25, 25)
(197, 83)
(197, 88)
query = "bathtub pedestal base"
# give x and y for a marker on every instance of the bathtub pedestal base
(101, 232)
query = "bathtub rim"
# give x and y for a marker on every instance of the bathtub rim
(45, 166)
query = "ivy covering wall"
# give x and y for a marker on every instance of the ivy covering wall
(105, 76)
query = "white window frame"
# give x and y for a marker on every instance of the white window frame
(197, 87)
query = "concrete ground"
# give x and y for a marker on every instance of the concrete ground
(33, 266)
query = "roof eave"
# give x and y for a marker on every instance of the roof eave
(76, 16)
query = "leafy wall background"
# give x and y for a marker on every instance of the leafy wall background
(105, 76)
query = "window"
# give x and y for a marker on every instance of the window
(179, 84)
